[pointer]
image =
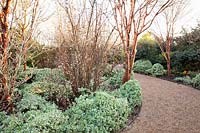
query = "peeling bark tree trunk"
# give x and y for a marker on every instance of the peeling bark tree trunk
(168, 59)
(168, 67)
(127, 74)
(130, 59)
(25, 58)
(5, 46)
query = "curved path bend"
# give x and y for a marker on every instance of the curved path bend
(167, 108)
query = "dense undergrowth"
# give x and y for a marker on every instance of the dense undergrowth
(46, 103)
(146, 67)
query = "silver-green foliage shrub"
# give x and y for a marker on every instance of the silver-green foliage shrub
(157, 70)
(42, 74)
(196, 81)
(142, 66)
(48, 83)
(132, 91)
(185, 80)
(11, 123)
(33, 102)
(2, 117)
(34, 115)
(116, 80)
(49, 121)
(49, 74)
(49, 89)
(34, 121)
(22, 75)
(99, 112)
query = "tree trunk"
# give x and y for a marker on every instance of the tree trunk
(5, 61)
(5, 42)
(168, 66)
(127, 74)
(130, 58)
(25, 53)
(168, 50)
(5, 99)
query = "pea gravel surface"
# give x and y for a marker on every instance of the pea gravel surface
(167, 108)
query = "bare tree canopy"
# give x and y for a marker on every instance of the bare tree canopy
(84, 37)
(18, 22)
(165, 35)
(133, 18)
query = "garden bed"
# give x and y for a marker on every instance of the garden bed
(47, 104)
(132, 118)
(157, 70)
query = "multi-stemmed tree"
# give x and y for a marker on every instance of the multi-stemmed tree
(17, 26)
(132, 18)
(165, 35)
(84, 39)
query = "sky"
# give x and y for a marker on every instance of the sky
(193, 16)
(189, 20)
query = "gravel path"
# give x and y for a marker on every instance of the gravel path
(167, 108)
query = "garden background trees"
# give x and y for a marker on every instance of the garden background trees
(133, 18)
(27, 18)
(166, 29)
(186, 53)
(17, 25)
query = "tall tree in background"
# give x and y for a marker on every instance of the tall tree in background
(165, 35)
(27, 17)
(17, 25)
(132, 18)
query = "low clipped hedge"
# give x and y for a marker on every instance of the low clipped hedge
(146, 67)
(142, 66)
(157, 70)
